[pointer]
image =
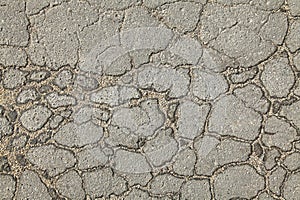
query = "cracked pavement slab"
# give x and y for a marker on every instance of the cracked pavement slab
(150, 99)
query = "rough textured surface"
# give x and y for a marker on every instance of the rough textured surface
(35, 117)
(231, 182)
(149, 99)
(7, 186)
(279, 68)
(52, 159)
(30, 186)
(230, 116)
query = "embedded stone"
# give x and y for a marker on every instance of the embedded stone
(208, 85)
(7, 186)
(238, 181)
(191, 119)
(57, 100)
(103, 183)
(35, 117)
(212, 153)
(279, 133)
(279, 68)
(230, 116)
(73, 135)
(30, 186)
(70, 185)
(50, 158)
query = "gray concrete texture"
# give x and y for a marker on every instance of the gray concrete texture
(150, 99)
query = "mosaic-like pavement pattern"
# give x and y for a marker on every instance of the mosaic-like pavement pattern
(150, 99)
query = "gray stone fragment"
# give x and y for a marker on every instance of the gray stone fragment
(243, 44)
(5, 127)
(253, 97)
(139, 58)
(4, 164)
(35, 6)
(279, 68)
(139, 17)
(70, 185)
(163, 79)
(138, 178)
(184, 162)
(292, 113)
(107, 95)
(86, 82)
(137, 194)
(276, 179)
(296, 60)
(270, 158)
(276, 27)
(196, 189)
(294, 7)
(39, 75)
(229, 30)
(291, 189)
(297, 89)
(244, 76)
(102, 182)
(183, 16)
(42, 138)
(14, 24)
(142, 121)
(156, 3)
(292, 38)
(236, 120)
(268, 4)
(238, 181)
(55, 121)
(35, 117)
(297, 145)
(27, 95)
(115, 95)
(11, 56)
(119, 66)
(115, 4)
(187, 48)
(122, 137)
(279, 133)
(165, 183)
(52, 159)
(170, 57)
(215, 61)
(161, 149)
(87, 113)
(13, 78)
(56, 100)
(130, 162)
(208, 85)
(156, 38)
(91, 157)
(191, 119)
(130, 118)
(172, 108)
(64, 78)
(30, 186)
(45, 89)
(212, 154)
(18, 142)
(7, 186)
(73, 135)
(265, 196)
(292, 161)
(54, 42)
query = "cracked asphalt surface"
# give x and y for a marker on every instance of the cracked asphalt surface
(150, 99)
